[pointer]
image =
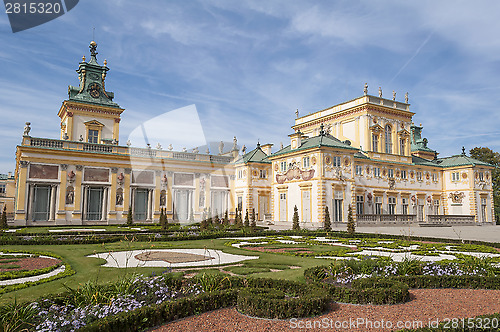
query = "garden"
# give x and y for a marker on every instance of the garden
(185, 278)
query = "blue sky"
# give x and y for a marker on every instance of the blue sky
(247, 65)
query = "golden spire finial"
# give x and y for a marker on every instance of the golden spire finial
(83, 58)
(105, 62)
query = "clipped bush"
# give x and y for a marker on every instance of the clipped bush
(284, 300)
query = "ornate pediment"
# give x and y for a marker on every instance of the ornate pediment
(404, 133)
(93, 123)
(376, 128)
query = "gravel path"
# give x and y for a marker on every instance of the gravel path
(426, 305)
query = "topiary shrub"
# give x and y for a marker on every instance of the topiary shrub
(295, 220)
(328, 223)
(247, 221)
(130, 218)
(351, 226)
(253, 223)
(298, 301)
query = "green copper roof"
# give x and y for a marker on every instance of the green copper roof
(254, 156)
(418, 143)
(92, 77)
(322, 140)
(461, 160)
(360, 155)
(424, 162)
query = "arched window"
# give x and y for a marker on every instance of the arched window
(388, 139)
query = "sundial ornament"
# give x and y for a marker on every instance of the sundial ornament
(94, 90)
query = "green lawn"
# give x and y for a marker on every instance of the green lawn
(90, 268)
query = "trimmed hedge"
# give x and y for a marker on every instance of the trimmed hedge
(363, 291)
(274, 303)
(140, 319)
(370, 292)
(174, 235)
(477, 282)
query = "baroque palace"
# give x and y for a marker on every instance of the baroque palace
(365, 154)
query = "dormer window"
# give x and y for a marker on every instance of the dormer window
(93, 136)
(94, 130)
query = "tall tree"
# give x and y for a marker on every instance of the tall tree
(491, 157)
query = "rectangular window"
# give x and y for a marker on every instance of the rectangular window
(283, 166)
(436, 206)
(390, 171)
(403, 174)
(420, 210)
(419, 176)
(404, 205)
(93, 136)
(481, 176)
(41, 203)
(283, 207)
(376, 172)
(402, 146)
(306, 206)
(483, 210)
(455, 176)
(336, 161)
(392, 205)
(378, 205)
(141, 204)
(374, 143)
(2, 188)
(95, 203)
(337, 206)
(434, 177)
(240, 174)
(262, 173)
(360, 205)
(240, 203)
(359, 170)
(305, 162)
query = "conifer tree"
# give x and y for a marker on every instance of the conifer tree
(241, 218)
(209, 219)
(226, 219)
(3, 219)
(236, 216)
(247, 221)
(351, 226)
(328, 222)
(216, 220)
(295, 220)
(163, 219)
(130, 218)
(253, 222)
